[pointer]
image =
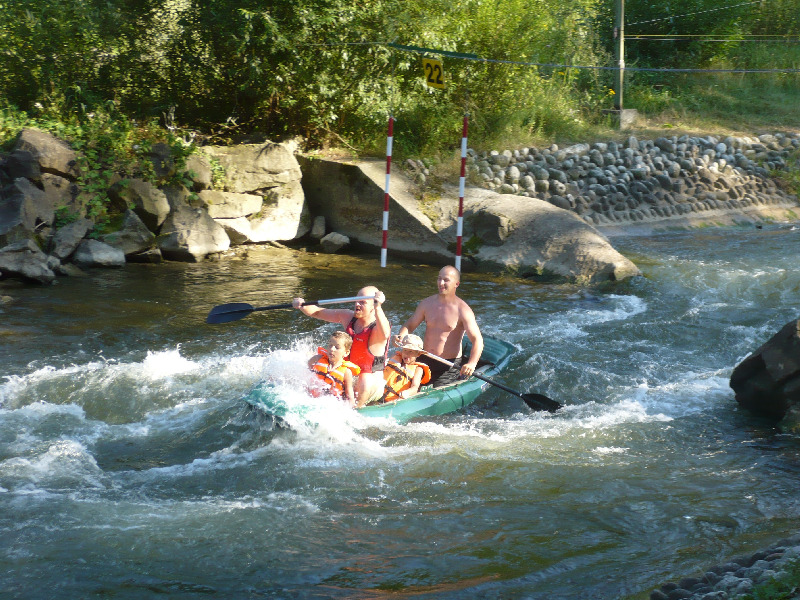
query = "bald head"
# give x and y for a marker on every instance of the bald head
(369, 290)
(448, 281)
(450, 272)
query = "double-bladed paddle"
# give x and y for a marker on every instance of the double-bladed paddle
(534, 401)
(225, 313)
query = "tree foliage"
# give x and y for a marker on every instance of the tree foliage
(323, 69)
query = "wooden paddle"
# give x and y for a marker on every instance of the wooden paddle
(225, 313)
(534, 401)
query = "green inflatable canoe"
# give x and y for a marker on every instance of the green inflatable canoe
(439, 401)
(428, 402)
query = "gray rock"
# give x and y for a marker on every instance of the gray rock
(491, 228)
(24, 209)
(149, 202)
(333, 242)
(768, 381)
(66, 239)
(132, 238)
(227, 205)
(198, 170)
(52, 154)
(318, 228)
(190, 234)
(20, 163)
(25, 260)
(94, 253)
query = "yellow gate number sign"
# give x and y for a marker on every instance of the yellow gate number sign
(434, 74)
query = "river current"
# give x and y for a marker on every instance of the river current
(131, 467)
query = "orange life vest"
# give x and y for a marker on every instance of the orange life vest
(399, 376)
(333, 377)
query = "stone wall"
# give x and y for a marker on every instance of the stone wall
(667, 182)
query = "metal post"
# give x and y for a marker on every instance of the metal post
(386, 191)
(461, 186)
(619, 33)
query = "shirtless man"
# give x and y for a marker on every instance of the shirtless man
(370, 330)
(447, 318)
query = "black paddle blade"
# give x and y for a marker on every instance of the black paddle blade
(540, 402)
(225, 313)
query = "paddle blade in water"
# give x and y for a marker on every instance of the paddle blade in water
(541, 402)
(225, 313)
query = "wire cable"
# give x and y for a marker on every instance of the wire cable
(691, 14)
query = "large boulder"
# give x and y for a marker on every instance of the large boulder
(281, 218)
(25, 260)
(64, 195)
(94, 253)
(66, 239)
(20, 163)
(533, 238)
(53, 155)
(24, 210)
(190, 234)
(228, 205)
(254, 168)
(767, 382)
(268, 171)
(147, 201)
(350, 197)
(198, 171)
(523, 235)
(133, 237)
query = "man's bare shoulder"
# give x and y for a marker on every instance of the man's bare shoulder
(464, 309)
(428, 302)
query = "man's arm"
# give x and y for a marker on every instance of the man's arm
(474, 335)
(382, 329)
(413, 322)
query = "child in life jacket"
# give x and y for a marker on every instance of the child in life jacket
(403, 374)
(331, 367)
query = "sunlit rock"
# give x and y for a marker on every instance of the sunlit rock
(333, 242)
(501, 232)
(52, 154)
(94, 253)
(190, 234)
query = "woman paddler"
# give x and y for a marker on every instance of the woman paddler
(370, 330)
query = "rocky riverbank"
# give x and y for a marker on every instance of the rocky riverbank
(736, 579)
(648, 181)
(541, 213)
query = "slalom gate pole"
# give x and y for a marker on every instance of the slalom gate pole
(461, 185)
(386, 191)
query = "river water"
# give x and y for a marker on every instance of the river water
(130, 467)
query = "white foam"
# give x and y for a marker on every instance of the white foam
(163, 364)
(572, 323)
(64, 464)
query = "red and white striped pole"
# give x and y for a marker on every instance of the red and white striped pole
(461, 184)
(386, 191)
